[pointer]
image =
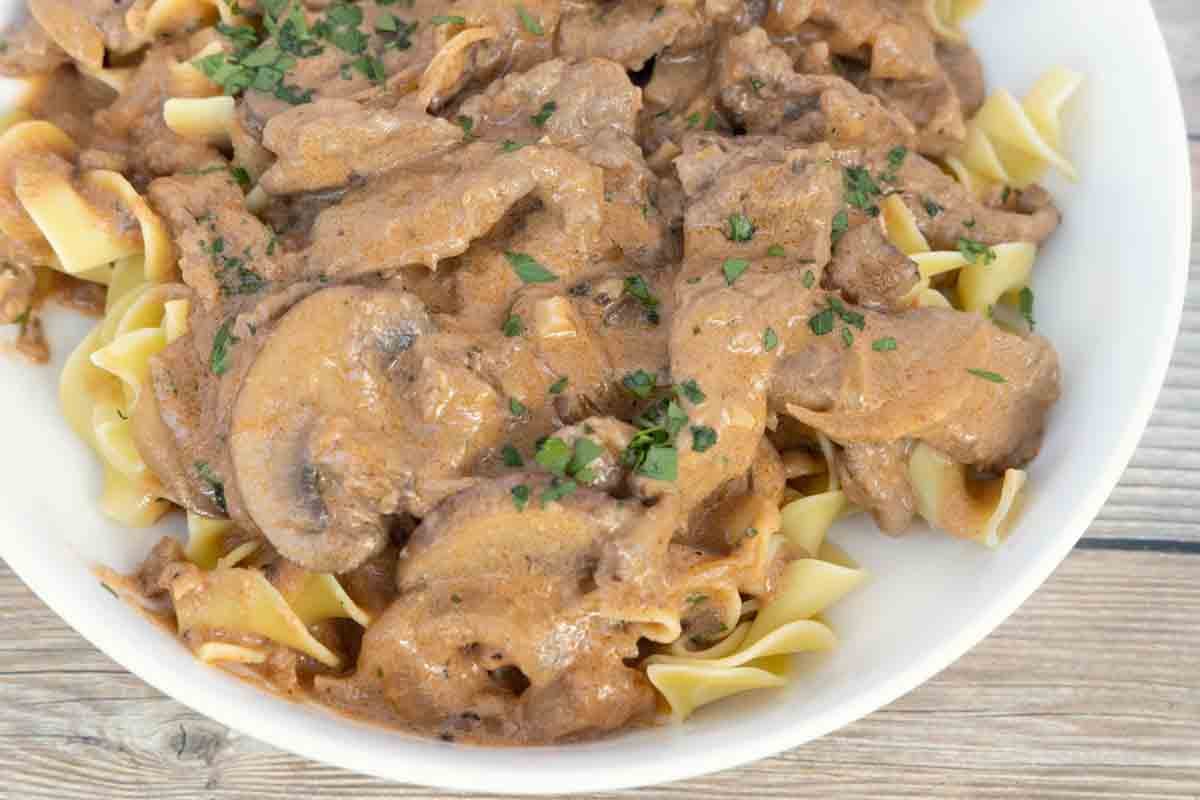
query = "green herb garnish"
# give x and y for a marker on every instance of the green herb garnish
(520, 496)
(641, 383)
(528, 269)
(703, 437)
(733, 269)
(548, 108)
(511, 456)
(222, 342)
(513, 326)
(884, 345)
(770, 339)
(741, 229)
(973, 251)
(988, 376)
(559, 386)
(529, 22)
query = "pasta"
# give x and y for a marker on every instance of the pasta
(507, 395)
(1013, 143)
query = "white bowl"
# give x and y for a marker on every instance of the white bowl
(1110, 290)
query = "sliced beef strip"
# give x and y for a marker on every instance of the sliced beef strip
(875, 477)
(867, 269)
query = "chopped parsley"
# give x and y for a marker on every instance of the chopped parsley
(447, 19)
(691, 390)
(222, 342)
(931, 207)
(468, 126)
(973, 251)
(884, 345)
(756, 86)
(216, 487)
(554, 455)
(710, 121)
(821, 323)
(371, 67)
(809, 279)
(232, 273)
(513, 326)
(703, 438)
(560, 385)
(509, 146)
(861, 189)
(847, 337)
(517, 408)
(511, 456)
(660, 463)
(548, 108)
(528, 269)
(988, 376)
(895, 159)
(1025, 304)
(640, 383)
(395, 32)
(733, 269)
(776, 251)
(520, 496)
(557, 490)
(841, 224)
(770, 339)
(741, 229)
(636, 286)
(692, 120)
(696, 599)
(849, 317)
(586, 451)
(529, 22)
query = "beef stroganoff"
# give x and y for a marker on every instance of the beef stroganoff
(511, 361)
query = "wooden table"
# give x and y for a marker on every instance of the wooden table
(1091, 690)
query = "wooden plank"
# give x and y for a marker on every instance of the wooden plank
(1180, 21)
(1091, 690)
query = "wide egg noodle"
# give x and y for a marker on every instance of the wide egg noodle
(950, 500)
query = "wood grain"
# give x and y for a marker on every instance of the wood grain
(1091, 690)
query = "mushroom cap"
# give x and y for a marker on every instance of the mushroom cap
(314, 425)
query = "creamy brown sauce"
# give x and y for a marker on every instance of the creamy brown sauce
(624, 231)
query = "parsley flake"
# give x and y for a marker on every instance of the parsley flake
(770, 339)
(733, 269)
(529, 22)
(691, 390)
(528, 269)
(640, 383)
(511, 456)
(513, 326)
(1025, 304)
(885, 344)
(776, 251)
(517, 408)
(973, 251)
(741, 229)
(988, 376)
(222, 342)
(548, 108)
(560, 385)
(841, 224)
(703, 438)
(520, 496)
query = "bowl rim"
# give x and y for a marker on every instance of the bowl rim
(42, 580)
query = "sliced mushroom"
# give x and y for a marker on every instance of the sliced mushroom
(316, 442)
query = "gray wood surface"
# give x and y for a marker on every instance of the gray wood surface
(1091, 690)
